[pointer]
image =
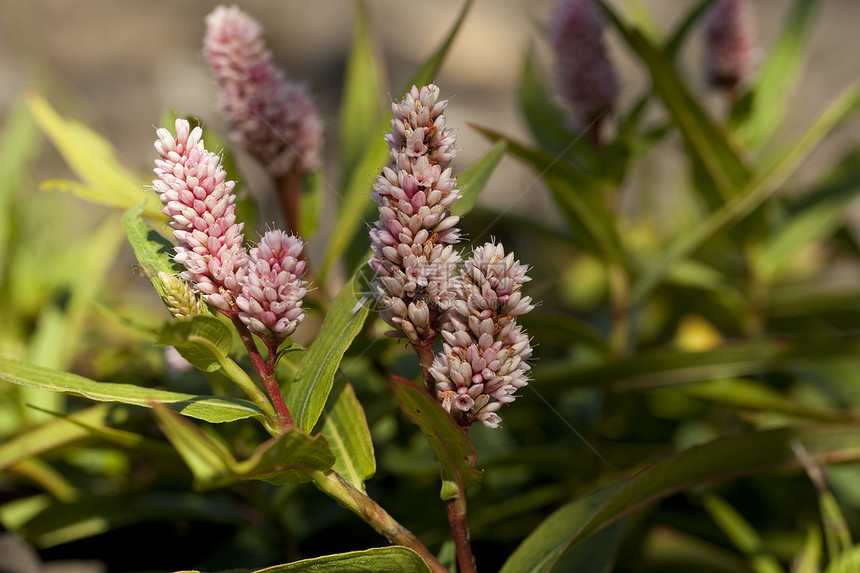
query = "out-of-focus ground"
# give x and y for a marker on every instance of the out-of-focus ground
(120, 64)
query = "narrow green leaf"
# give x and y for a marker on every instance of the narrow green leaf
(712, 148)
(542, 548)
(597, 554)
(815, 217)
(345, 428)
(360, 110)
(808, 559)
(428, 72)
(309, 391)
(153, 252)
(214, 409)
(376, 560)
(741, 533)
(286, 458)
(726, 458)
(676, 40)
(204, 341)
(579, 197)
(451, 445)
(94, 161)
(545, 119)
(752, 195)
(89, 516)
(355, 209)
(312, 203)
(208, 459)
(49, 436)
(474, 178)
(779, 72)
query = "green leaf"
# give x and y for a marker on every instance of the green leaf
(473, 179)
(742, 534)
(361, 110)
(312, 203)
(815, 217)
(355, 209)
(726, 458)
(153, 252)
(543, 547)
(93, 515)
(376, 560)
(450, 443)
(780, 70)
(204, 341)
(579, 198)
(309, 391)
(809, 557)
(545, 119)
(752, 195)
(712, 149)
(94, 161)
(345, 428)
(430, 69)
(284, 459)
(49, 436)
(214, 409)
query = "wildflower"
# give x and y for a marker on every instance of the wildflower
(200, 202)
(273, 119)
(732, 51)
(412, 240)
(584, 75)
(271, 300)
(484, 353)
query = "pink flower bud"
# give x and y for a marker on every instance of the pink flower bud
(273, 119)
(583, 73)
(731, 51)
(271, 299)
(200, 202)
(485, 351)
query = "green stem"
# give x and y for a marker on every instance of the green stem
(371, 512)
(460, 530)
(619, 294)
(235, 373)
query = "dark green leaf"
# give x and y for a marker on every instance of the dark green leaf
(377, 560)
(450, 443)
(545, 119)
(209, 408)
(428, 72)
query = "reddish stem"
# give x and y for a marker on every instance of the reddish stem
(460, 530)
(424, 350)
(289, 195)
(266, 370)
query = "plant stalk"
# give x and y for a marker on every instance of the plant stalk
(266, 370)
(425, 357)
(460, 529)
(289, 194)
(371, 512)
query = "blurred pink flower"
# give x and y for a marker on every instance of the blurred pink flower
(584, 75)
(271, 299)
(201, 206)
(731, 51)
(273, 119)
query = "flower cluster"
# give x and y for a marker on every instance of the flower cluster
(271, 300)
(483, 361)
(179, 297)
(263, 288)
(273, 119)
(412, 240)
(731, 45)
(583, 72)
(200, 202)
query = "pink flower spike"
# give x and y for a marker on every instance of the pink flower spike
(584, 75)
(200, 202)
(731, 51)
(273, 119)
(271, 300)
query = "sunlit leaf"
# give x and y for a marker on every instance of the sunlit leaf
(377, 560)
(345, 428)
